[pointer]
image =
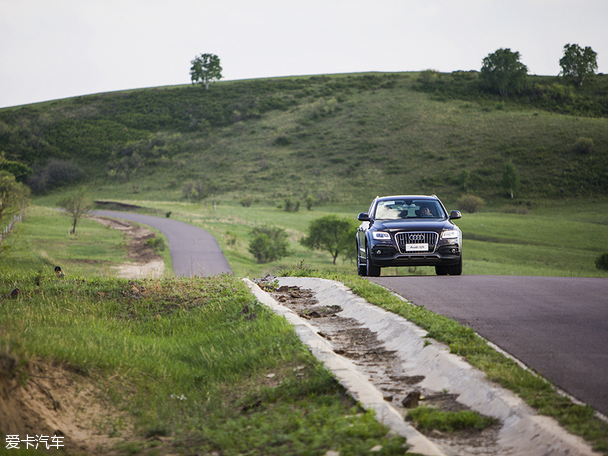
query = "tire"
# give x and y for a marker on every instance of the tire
(372, 271)
(441, 270)
(456, 269)
(361, 268)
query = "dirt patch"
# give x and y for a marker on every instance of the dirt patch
(146, 263)
(385, 370)
(51, 405)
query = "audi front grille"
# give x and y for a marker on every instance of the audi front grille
(415, 239)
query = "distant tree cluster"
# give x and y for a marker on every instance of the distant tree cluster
(503, 72)
(55, 174)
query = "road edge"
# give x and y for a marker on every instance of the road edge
(361, 389)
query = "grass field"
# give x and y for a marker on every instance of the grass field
(196, 361)
(42, 241)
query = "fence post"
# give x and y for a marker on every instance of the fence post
(8, 228)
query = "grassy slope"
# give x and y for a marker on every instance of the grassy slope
(42, 241)
(195, 360)
(342, 138)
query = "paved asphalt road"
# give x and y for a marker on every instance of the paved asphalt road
(194, 251)
(556, 325)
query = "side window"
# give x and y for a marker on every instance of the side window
(370, 211)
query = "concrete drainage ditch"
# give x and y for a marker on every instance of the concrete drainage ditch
(384, 361)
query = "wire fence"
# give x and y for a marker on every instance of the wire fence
(8, 228)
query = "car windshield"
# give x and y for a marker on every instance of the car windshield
(408, 209)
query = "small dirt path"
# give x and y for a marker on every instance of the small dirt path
(146, 263)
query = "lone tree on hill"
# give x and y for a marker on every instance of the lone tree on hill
(577, 63)
(76, 206)
(510, 179)
(503, 72)
(205, 69)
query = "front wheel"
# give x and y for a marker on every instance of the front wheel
(361, 267)
(372, 271)
(456, 269)
(441, 270)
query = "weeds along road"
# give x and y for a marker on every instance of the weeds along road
(558, 326)
(194, 252)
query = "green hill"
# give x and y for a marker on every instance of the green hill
(332, 138)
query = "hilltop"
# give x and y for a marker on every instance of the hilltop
(331, 138)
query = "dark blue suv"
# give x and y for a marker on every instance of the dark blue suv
(408, 231)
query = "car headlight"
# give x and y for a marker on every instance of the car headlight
(449, 234)
(381, 235)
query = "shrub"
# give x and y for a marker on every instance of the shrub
(283, 141)
(156, 243)
(55, 174)
(470, 203)
(291, 207)
(601, 262)
(268, 244)
(247, 201)
(584, 145)
(310, 202)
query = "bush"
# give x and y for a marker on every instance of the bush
(470, 203)
(268, 244)
(310, 202)
(282, 141)
(584, 145)
(291, 207)
(55, 174)
(247, 201)
(601, 262)
(156, 243)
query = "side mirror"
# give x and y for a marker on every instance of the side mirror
(363, 217)
(455, 215)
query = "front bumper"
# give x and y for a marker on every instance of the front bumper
(445, 254)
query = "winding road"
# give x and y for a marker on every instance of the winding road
(194, 252)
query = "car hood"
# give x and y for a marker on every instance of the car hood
(413, 225)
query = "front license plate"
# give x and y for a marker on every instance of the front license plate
(416, 247)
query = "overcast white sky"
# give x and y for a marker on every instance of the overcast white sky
(53, 49)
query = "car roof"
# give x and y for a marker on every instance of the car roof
(383, 198)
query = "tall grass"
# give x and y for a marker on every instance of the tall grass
(189, 358)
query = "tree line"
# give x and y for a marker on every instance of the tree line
(503, 72)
